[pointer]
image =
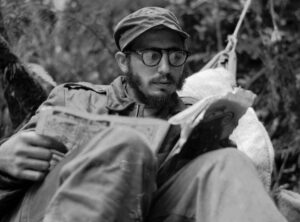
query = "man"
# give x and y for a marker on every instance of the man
(113, 178)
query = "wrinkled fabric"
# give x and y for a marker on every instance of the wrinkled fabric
(112, 179)
(250, 135)
(252, 138)
(207, 83)
(103, 185)
(97, 99)
(218, 186)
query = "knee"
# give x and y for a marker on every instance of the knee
(122, 141)
(112, 146)
(130, 138)
(231, 158)
(230, 155)
(225, 162)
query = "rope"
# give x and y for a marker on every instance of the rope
(242, 16)
(232, 39)
(226, 57)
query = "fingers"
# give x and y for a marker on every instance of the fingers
(54, 161)
(47, 163)
(36, 165)
(57, 156)
(29, 169)
(53, 144)
(32, 175)
(34, 169)
(34, 139)
(33, 152)
(29, 156)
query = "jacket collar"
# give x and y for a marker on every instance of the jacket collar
(117, 98)
(119, 101)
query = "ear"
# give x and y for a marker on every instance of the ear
(123, 61)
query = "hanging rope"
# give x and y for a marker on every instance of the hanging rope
(242, 16)
(227, 57)
(232, 39)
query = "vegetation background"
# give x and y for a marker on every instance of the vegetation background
(73, 41)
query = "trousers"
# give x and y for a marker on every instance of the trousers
(113, 179)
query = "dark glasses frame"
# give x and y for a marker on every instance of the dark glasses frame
(141, 54)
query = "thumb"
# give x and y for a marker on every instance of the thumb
(54, 144)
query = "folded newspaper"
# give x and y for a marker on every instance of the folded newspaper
(210, 120)
(75, 129)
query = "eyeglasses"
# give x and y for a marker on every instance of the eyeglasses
(151, 57)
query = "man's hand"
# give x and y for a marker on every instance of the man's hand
(27, 155)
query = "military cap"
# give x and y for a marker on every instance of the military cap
(138, 22)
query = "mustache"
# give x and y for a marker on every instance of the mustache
(164, 79)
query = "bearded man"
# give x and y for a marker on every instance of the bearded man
(114, 177)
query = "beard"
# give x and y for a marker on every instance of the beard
(135, 83)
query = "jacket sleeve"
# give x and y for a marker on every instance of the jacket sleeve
(11, 187)
(55, 98)
(11, 193)
(82, 96)
(78, 96)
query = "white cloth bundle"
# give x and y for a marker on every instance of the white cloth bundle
(250, 135)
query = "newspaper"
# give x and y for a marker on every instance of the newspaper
(216, 113)
(75, 129)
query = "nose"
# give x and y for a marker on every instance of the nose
(164, 66)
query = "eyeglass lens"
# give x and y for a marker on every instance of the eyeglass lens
(153, 57)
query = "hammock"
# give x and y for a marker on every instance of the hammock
(227, 57)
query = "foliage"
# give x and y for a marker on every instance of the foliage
(75, 44)
(268, 64)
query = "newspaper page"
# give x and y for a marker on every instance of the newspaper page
(218, 112)
(75, 129)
